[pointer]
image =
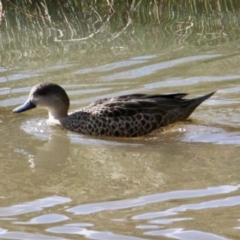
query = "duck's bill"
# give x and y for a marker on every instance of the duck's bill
(26, 106)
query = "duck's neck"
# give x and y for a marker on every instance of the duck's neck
(56, 114)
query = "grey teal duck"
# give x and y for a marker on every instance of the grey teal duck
(124, 116)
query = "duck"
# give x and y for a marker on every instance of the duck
(131, 115)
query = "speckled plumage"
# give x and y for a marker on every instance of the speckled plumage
(124, 116)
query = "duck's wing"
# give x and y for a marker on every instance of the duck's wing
(130, 105)
(138, 96)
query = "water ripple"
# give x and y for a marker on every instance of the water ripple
(150, 69)
(179, 233)
(154, 198)
(34, 206)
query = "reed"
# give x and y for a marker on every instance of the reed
(93, 24)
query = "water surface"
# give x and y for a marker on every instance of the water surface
(182, 183)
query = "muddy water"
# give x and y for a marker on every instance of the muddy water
(182, 183)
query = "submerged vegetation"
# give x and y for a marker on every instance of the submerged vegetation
(28, 25)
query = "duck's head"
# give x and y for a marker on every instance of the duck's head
(49, 96)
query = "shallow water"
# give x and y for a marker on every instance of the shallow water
(182, 183)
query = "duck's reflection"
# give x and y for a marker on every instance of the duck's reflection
(53, 154)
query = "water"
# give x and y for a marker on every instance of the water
(182, 183)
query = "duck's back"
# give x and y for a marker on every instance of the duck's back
(131, 115)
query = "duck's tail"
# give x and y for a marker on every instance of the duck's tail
(195, 102)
